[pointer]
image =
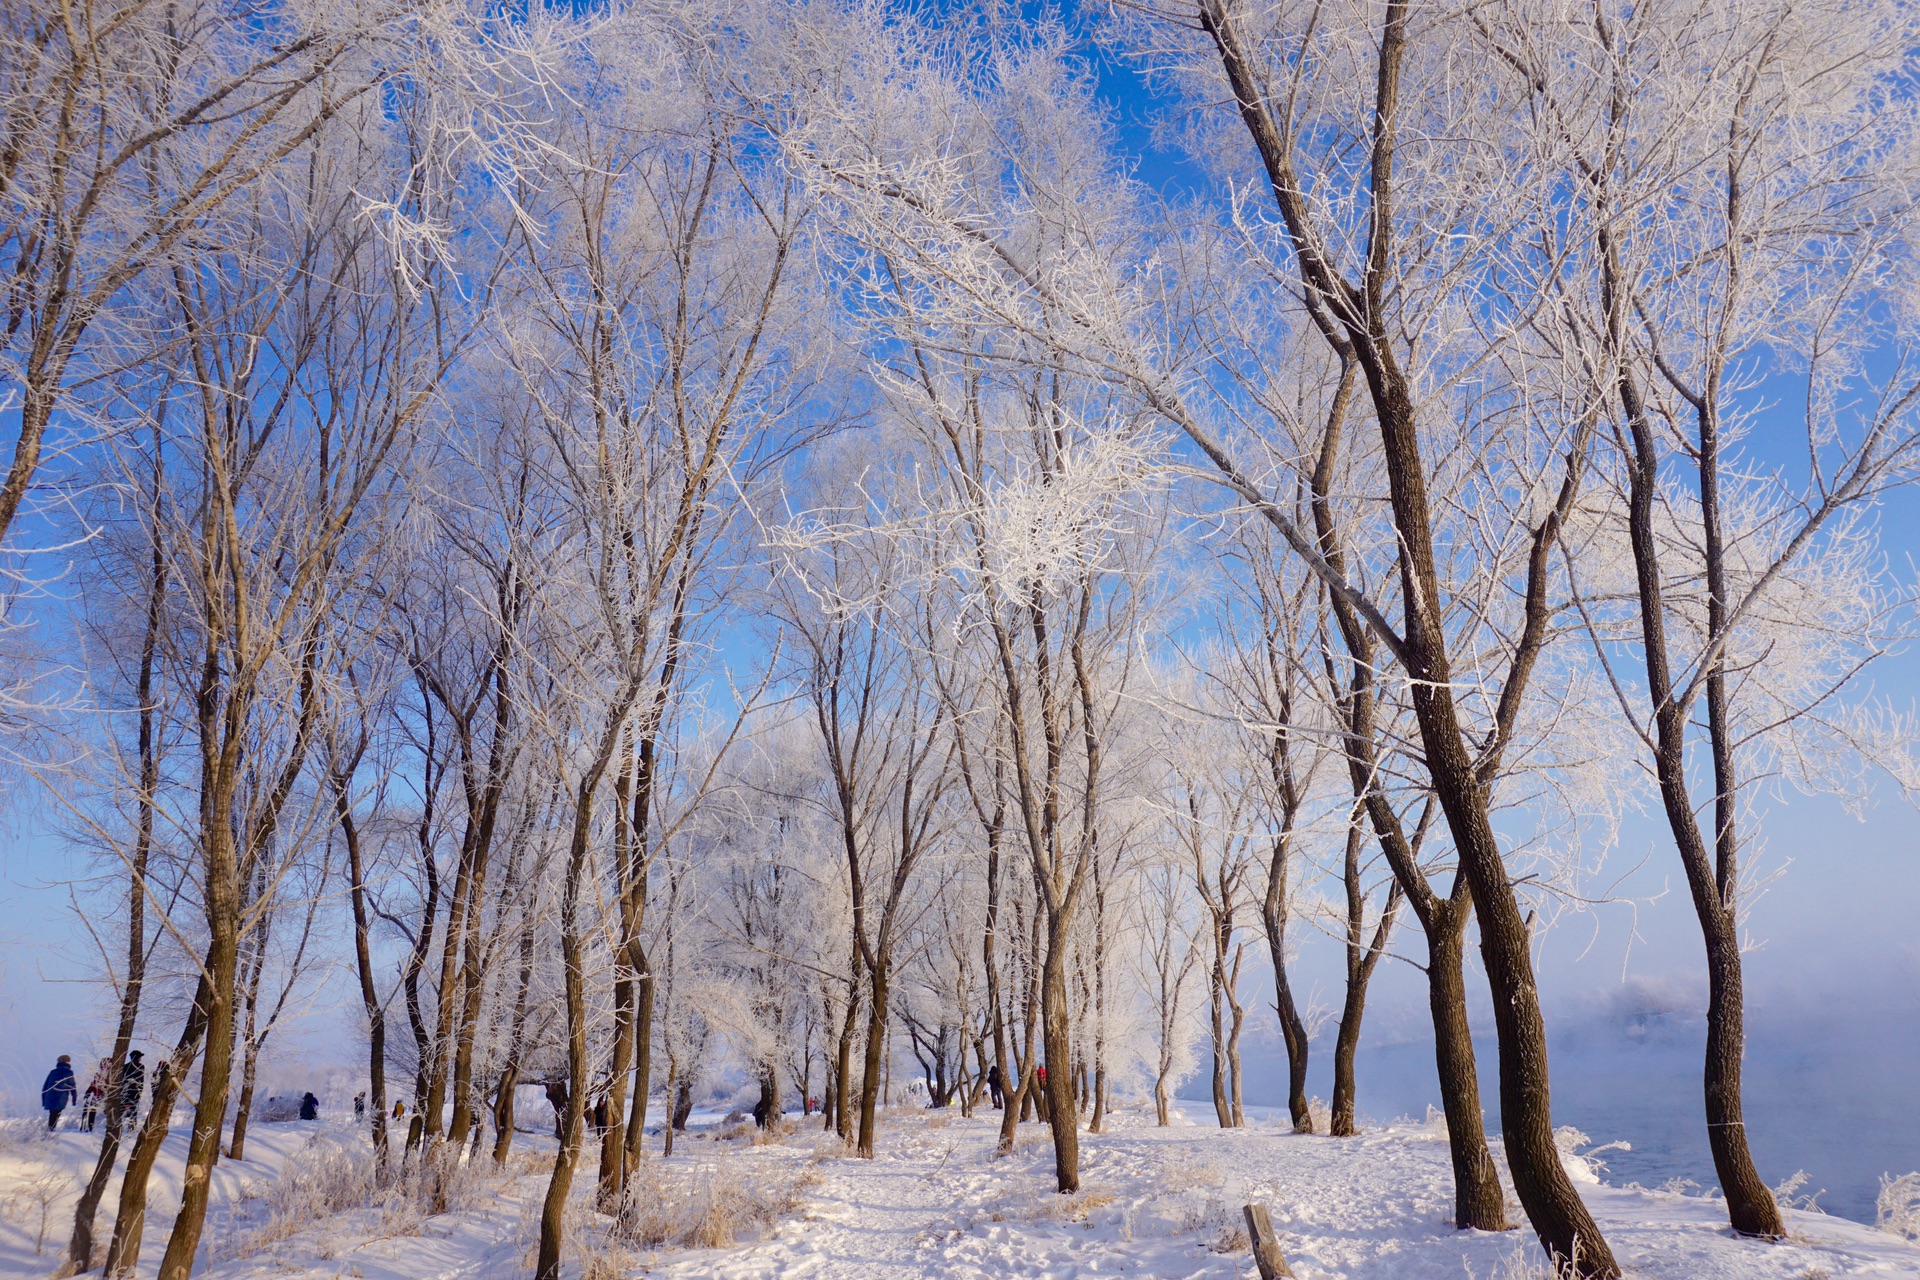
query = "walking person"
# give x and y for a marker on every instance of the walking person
(133, 1081)
(309, 1107)
(95, 1097)
(994, 1087)
(359, 1107)
(59, 1091)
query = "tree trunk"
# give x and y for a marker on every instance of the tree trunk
(770, 1105)
(123, 1250)
(1217, 1029)
(553, 1209)
(873, 1064)
(363, 960)
(843, 1062)
(203, 1146)
(1363, 958)
(1478, 1201)
(1751, 1208)
(1059, 1055)
(472, 974)
(1293, 1028)
(613, 1141)
(242, 1109)
(250, 1046)
(642, 1064)
(80, 1248)
(1021, 1098)
(1237, 1016)
(438, 1065)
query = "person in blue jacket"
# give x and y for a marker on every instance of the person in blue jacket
(57, 1094)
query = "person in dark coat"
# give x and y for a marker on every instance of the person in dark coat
(58, 1091)
(994, 1087)
(309, 1107)
(557, 1095)
(359, 1106)
(133, 1080)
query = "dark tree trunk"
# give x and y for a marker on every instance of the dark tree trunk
(843, 1063)
(80, 1249)
(1217, 1026)
(363, 955)
(516, 1047)
(1363, 957)
(1293, 1028)
(642, 1063)
(203, 1144)
(123, 1250)
(1713, 882)
(875, 1055)
(1478, 1200)
(1061, 1113)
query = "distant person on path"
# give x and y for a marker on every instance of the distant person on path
(359, 1106)
(994, 1087)
(399, 1108)
(133, 1079)
(557, 1095)
(95, 1097)
(309, 1107)
(59, 1091)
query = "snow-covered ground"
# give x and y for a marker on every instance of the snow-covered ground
(935, 1203)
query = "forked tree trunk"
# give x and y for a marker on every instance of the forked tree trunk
(1363, 957)
(1020, 1099)
(472, 960)
(1237, 1017)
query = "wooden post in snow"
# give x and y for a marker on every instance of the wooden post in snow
(1266, 1244)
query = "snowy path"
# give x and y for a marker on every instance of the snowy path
(1160, 1202)
(936, 1205)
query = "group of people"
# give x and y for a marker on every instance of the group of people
(997, 1088)
(61, 1090)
